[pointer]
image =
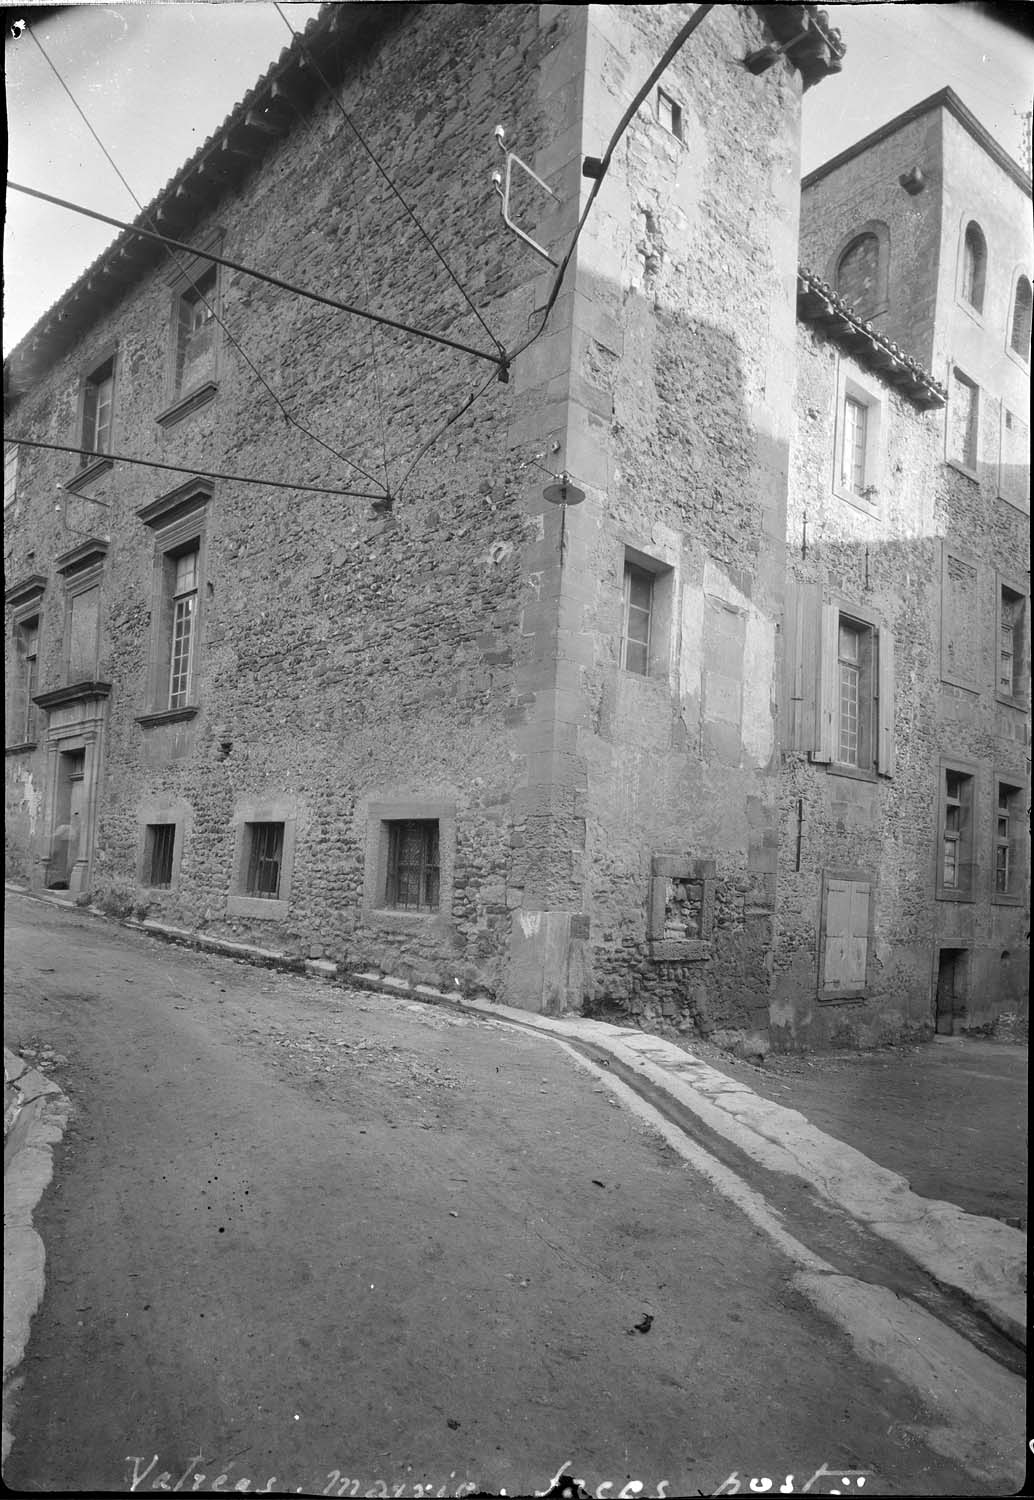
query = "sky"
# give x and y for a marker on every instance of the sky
(156, 79)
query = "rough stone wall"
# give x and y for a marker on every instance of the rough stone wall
(886, 829)
(866, 190)
(346, 657)
(684, 396)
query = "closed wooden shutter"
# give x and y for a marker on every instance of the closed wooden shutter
(847, 935)
(800, 663)
(886, 749)
(826, 706)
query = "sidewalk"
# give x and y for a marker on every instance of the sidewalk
(980, 1257)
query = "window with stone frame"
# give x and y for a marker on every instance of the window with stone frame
(1014, 460)
(1012, 645)
(1009, 874)
(159, 854)
(962, 427)
(195, 332)
(974, 266)
(669, 114)
(955, 877)
(178, 521)
(855, 719)
(858, 275)
(858, 439)
(97, 411)
(82, 569)
(261, 877)
(263, 859)
(10, 474)
(22, 715)
(1020, 323)
(680, 923)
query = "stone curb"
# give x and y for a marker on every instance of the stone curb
(35, 1115)
(980, 1258)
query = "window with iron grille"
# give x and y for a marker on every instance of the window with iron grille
(98, 404)
(183, 602)
(265, 853)
(161, 844)
(413, 871)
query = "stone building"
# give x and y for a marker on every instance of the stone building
(904, 870)
(442, 728)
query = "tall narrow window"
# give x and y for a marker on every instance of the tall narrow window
(850, 666)
(21, 729)
(635, 653)
(10, 474)
(184, 615)
(98, 402)
(853, 457)
(956, 833)
(669, 114)
(161, 845)
(974, 266)
(963, 421)
(1009, 842)
(858, 275)
(195, 332)
(413, 865)
(1011, 643)
(1019, 333)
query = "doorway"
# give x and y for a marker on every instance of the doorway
(69, 818)
(951, 990)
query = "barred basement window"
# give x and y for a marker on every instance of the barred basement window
(265, 852)
(161, 843)
(413, 865)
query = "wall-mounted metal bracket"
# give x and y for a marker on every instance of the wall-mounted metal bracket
(501, 183)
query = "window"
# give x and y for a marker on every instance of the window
(956, 834)
(195, 332)
(854, 666)
(962, 612)
(858, 435)
(265, 851)
(1009, 844)
(669, 114)
(10, 474)
(178, 521)
(98, 401)
(1019, 332)
(21, 729)
(681, 910)
(844, 936)
(974, 266)
(638, 616)
(158, 858)
(413, 875)
(858, 275)
(963, 423)
(182, 576)
(857, 689)
(1011, 682)
(1014, 460)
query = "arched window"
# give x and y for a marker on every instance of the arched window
(974, 266)
(1019, 334)
(858, 275)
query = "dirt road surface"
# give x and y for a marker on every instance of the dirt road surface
(327, 1242)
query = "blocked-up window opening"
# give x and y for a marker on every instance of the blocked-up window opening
(413, 872)
(98, 405)
(161, 843)
(846, 929)
(1019, 333)
(83, 624)
(963, 420)
(1014, 460)
(960, 621)
(265, 852)
(858, 275)
(974, 266)
(684, 909)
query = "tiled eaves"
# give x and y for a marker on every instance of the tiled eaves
(818, 303)
(269, 111)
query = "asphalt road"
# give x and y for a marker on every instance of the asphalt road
(328, 1242)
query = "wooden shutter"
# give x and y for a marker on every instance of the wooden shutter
(847, 935)
(800, 663)
(826, 696)
(886, 749)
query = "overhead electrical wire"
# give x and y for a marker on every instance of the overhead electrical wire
(152, 463)
(288, 416)
(235, 265)
(299, 37)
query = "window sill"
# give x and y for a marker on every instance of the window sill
(1023, 506)
(966, 897)
(961, 468)
(1002, 898)
(88, 474)
(1018, 359)
(857, 501)
(185, 405)
(854, 773)
(21, 749)
(963, 686)
(1009, 700)
(390, 916)
(271, 908)
(972, 312)
(168, 716)
(842, 997)
(679, 950)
